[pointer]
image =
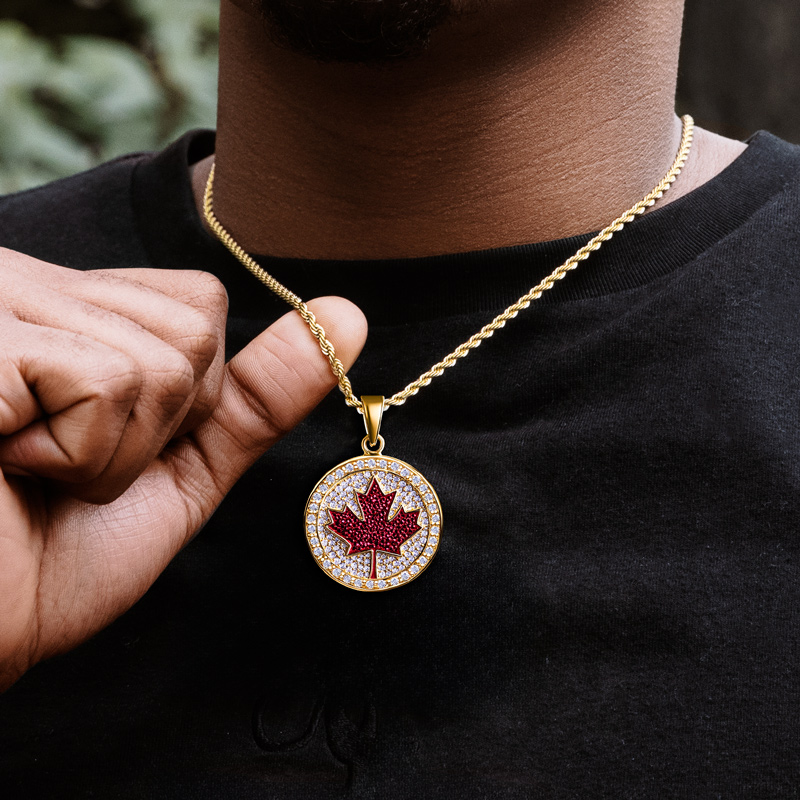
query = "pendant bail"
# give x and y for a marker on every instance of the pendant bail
(373, 406)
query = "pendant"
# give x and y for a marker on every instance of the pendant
(373, 523)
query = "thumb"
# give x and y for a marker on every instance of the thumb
(268, 388)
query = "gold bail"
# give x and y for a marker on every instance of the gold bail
(373, 414)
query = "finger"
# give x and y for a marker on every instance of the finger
(268, 389)
(202, 291)
(186, 309)
(65, 400)
(167, 391)
(190, 316)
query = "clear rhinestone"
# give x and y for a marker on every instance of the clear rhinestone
(313, 507)
(404, 473)
(395, 581)
(360, 464)
(339, 473)
(422, 560)
(370, 584)
(315, 542)
(317, 551)
(415, 479)
(357, 583)
(436, 518)
(337, 572)
(381, 584)
(405, 576)
(429, 497)
(348, 468)
(382, 463)
(326, 564)
(428, 551)
(433, 541)
(435, 529)
(414, 570)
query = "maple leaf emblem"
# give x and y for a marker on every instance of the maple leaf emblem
(374, 530)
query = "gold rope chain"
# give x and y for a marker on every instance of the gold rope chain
(484, 333)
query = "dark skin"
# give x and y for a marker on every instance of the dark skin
(521, 122)
(121, 429)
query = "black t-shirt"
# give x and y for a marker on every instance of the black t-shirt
(615, 607)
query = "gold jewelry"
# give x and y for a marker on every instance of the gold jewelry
(373, 523)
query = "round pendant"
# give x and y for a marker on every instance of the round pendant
(373, 523)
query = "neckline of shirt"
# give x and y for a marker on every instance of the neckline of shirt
(461, 283)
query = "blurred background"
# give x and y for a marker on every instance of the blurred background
(82, 81)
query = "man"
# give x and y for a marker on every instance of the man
(612, 613)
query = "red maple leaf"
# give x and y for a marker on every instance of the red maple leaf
(375, 531)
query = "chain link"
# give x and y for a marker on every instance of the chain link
(484, 333)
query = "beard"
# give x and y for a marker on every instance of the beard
(354, 31)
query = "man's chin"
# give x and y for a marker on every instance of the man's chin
(354, 31)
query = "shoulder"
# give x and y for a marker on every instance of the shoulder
(64, 220)
(93, 220)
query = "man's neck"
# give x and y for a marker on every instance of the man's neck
(515, 126)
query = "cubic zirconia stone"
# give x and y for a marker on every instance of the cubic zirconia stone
(371, 463)
(429, 551)
(435, 529)
(318, 551)
(337, 572)
(357, 583)
(435, 518)
(414, 570)
(381, 584)
(370, 584)
(422, 560)
(405, 576)
(326, 564)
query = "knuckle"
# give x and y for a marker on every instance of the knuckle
(172, 380)
(116, 379)
(200, 337)
(210, 292)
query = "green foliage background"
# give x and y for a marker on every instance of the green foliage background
(126, 75)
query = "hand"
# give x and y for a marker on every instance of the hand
(113, 390)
